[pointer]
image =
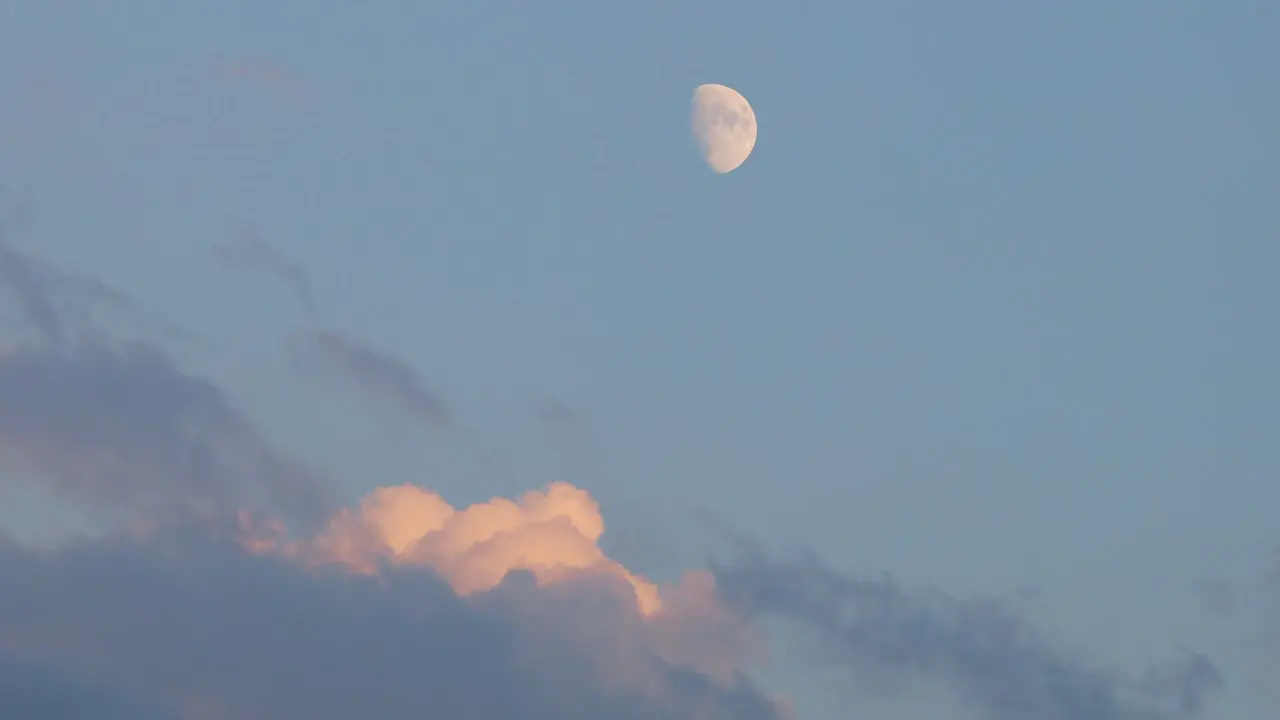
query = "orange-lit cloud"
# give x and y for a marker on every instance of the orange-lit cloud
(552, 534)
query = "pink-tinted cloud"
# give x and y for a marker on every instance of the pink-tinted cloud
(552, 534)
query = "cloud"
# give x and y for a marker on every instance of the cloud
(392, 387)
(229, 587)
(22, 277)
(557, 413)
(118, 426)
(209, 608)
(255, 253)
(114, 425)
(992, 658)
(208, 596)
(551, 534)
(59, 306)
(29, 690)
(27, 286)
(1217, 596)
(190, 620)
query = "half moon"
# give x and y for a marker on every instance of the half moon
(724, 125)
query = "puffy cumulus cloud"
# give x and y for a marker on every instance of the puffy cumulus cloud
(551, 535)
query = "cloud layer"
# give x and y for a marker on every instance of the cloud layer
(231, 586)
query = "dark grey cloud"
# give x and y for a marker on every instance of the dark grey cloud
(35, 692)
(996, 661)
(120, 426)
(257, 254)
(187, 623)
(395, 389)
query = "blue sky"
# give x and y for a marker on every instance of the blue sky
(990, 306)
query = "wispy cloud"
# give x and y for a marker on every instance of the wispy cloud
(557, 413)
(1217, 596)
(115, 424)
(253, 252)
(393, 388)
(120, 426)
(56, 304)
(882, 633)
(27, 287)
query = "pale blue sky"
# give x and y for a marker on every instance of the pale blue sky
(990, 306)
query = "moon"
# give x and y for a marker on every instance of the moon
(724, 125)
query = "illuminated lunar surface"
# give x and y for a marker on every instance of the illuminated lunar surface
(724, 125)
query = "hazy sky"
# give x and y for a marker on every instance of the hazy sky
(990, 308)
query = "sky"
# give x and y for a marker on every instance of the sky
(407, 361)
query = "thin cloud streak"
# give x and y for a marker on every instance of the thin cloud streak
(393, 389)
(882, 634)
(255, 253)
(57, 305)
